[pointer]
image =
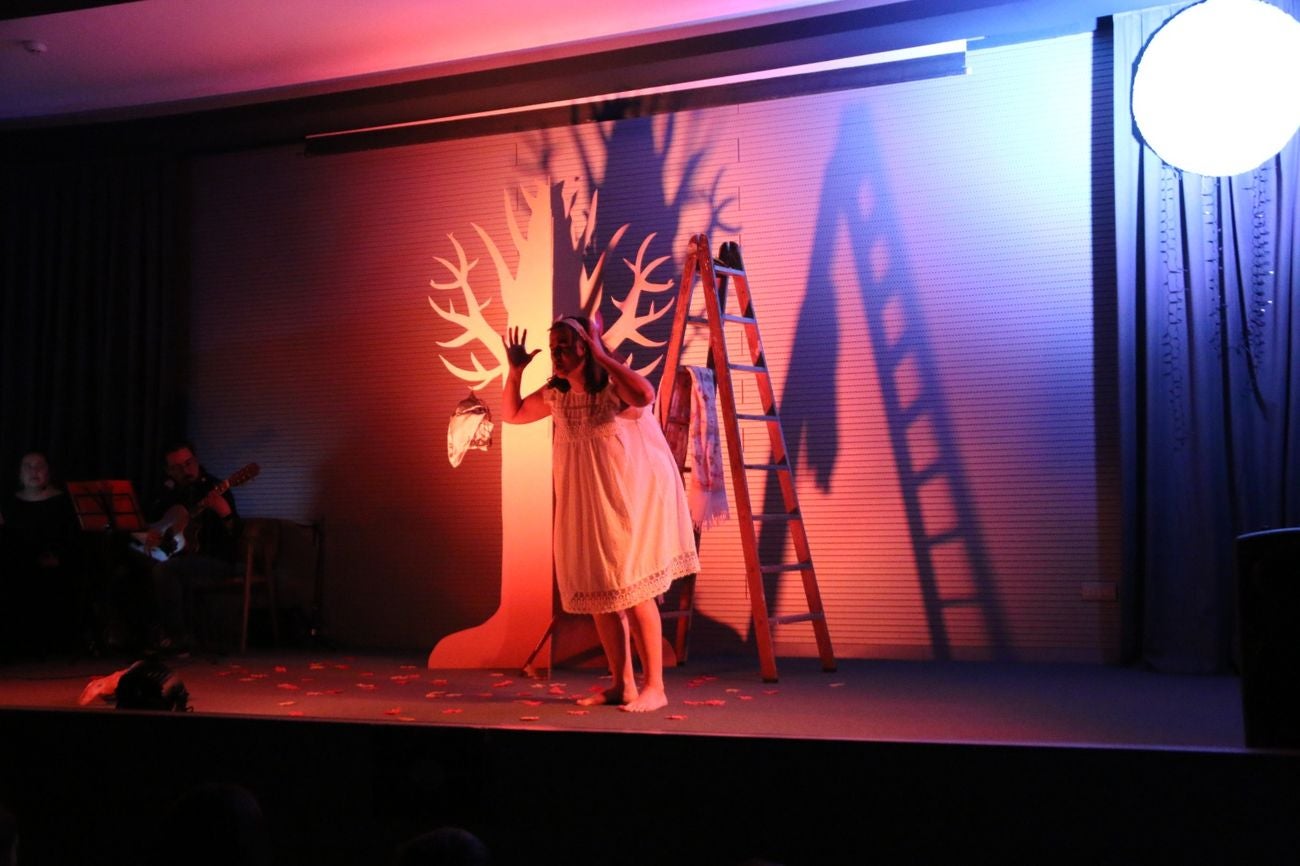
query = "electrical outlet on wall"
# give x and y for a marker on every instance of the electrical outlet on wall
(1099, 590)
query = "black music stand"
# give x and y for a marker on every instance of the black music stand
(108, 505)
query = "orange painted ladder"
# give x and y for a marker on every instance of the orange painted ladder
(713, 278)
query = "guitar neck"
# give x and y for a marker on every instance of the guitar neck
(248, 473)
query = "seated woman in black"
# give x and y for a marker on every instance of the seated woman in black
(42, 595)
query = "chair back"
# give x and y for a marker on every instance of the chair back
(260, 544)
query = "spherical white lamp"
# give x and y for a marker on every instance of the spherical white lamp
(1217, 89)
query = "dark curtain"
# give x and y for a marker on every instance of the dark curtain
(1209, 334)
(93, 313)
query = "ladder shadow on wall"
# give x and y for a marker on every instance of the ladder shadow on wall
(955, 576)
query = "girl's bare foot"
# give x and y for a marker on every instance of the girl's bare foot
(614, 696)
(649, 700)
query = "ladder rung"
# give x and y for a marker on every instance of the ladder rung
(726, 271)
(929, 473)
(779, 515)
(726, 317)
(785, 566)
(944, 537)
(768, 467)
(747, 368)
(673, 613)
(742, 416)
(795, 617)
(914, 413)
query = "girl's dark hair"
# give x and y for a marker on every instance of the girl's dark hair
(594, 376)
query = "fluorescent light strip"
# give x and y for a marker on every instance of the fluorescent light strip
(936, 50)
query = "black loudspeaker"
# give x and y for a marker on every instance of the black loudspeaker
(1268, 587)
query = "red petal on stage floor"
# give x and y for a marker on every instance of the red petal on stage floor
(530, 718)
(295, 712)
(288, 687)
(394, 711)
(531, 703)
(287, 703)
(370, 687)
(675, 718)
(452, 711)
(579, 712)
(502, 684)
(281, 669)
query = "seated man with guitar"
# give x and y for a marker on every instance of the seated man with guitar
(194, 537)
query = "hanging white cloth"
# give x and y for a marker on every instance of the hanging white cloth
(470, 427)
(706, 493)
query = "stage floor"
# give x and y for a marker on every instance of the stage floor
(885, 701)
(880, 761)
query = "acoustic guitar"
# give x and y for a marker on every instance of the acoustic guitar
(174, 540)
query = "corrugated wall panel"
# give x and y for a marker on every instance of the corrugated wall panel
(935, 237)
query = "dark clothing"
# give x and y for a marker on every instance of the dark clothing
(209, 552)
(43, 604)
(209, 534)
(41, 528)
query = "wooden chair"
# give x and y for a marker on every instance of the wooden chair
(259, 552)
(260, 544)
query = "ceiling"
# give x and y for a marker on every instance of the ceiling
(67, 61)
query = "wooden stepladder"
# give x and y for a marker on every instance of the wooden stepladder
(713, 279)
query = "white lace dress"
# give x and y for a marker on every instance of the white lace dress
(622, 526)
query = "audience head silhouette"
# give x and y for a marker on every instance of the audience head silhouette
(446, 846)
(216, 825)
(8, 838)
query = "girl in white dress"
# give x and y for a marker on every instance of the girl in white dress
(622, 529)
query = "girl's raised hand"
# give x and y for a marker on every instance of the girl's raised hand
(517, 354)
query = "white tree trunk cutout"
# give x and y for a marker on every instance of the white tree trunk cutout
(539, 285)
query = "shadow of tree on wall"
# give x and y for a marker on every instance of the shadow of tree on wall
(644, 175)
(641, 181)
(953, 569)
